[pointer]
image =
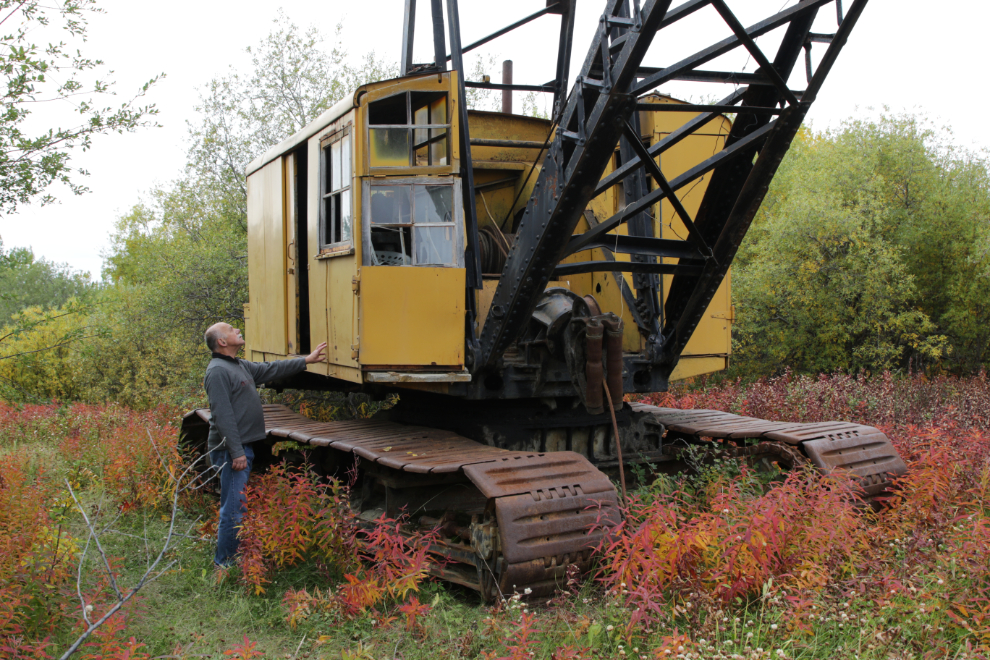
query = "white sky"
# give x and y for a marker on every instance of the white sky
(905, 54)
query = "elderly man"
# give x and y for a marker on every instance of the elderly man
(237, 421)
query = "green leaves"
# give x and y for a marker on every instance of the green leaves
(29, 162)
(862, 255)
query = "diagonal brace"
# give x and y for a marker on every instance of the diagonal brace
(769, 69)
(651, 166)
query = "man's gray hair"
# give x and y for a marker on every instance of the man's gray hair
(213, 333)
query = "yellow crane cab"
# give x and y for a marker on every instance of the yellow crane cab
(356, 235)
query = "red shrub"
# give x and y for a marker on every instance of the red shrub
(291, 517)
(35, 562)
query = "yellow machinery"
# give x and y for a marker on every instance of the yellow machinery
(512, 278)
(390, 288)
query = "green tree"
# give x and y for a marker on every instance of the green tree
(178, 262)
(27, 281)
(870, 251)
(35, 74)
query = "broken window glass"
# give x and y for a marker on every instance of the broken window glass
(413, 225)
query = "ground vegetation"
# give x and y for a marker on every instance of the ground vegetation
(726, 562)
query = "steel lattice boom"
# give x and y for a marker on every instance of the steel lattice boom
(601, 111)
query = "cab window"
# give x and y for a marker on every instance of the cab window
(413, 224)
(335, 192)
(411, 129)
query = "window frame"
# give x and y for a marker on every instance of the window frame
(411, 129)
(457, 220)
(326, 224)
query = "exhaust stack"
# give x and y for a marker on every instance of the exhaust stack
(507, 93)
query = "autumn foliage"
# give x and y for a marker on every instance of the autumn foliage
(693, 558)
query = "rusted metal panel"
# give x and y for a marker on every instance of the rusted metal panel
(203, 414)
(532, 529)
(763, 429)
(562, 473)
(830, 446)
(799, 434)
(691, 424)
(542, 577)
(719, 428)
(863, 452)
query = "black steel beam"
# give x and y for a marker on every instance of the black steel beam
(690, 107)
(743, 146)
(673, 15)
(505, 30)
(726, 45)
(768, 69)
(514, 88)
(439, 45)
(647, 327)
(651, 166)
(835, 46)
(508, 144)
(563, 270)
(646, 246)
(472, 255)
(684, 131)
(734, 194)
(408, 34)
(642, 225)
(725, 77)
(594, 117)
(568, 9)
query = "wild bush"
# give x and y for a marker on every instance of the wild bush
(36, 560)
(732, 544)
(884, 399)
(869, 251)
(293, 518)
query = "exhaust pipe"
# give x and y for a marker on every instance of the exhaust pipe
(593, 367)
(613, 356)
(507, 93)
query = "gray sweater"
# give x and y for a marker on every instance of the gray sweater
(231, 384)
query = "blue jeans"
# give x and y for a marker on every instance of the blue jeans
(232, 502)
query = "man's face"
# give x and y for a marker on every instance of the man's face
(232, 336)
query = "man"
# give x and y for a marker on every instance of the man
(237, 421)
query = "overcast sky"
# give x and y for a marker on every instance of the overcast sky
(905, 54)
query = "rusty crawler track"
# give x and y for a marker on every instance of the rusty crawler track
(860, 450)
(516, 520)
(510, 521)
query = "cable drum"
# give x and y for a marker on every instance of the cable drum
(494, 249)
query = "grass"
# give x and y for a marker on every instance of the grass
(912, 582)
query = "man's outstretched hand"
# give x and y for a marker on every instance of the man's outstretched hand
(240, 463)
(317, 355)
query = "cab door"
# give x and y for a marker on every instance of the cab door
(266, 322)
(412, 285)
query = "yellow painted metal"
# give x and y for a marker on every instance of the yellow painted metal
(496, 165)
(432, 83)
(710, 345)
(332, 302)
(292, 262)
(713, 335)
(412, 316)
(266, 259)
